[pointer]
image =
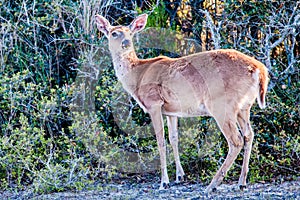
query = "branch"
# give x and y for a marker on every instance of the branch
(154, 7)
(289, 28)
(214, 30)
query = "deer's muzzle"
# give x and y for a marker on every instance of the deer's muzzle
(125, 44)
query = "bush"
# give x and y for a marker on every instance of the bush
(65, 120)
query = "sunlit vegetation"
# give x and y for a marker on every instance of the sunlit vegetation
(66, 124)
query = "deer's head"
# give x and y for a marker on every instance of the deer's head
(120, 37)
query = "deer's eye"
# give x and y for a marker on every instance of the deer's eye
(114, 34)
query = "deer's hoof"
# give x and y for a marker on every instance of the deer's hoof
(243, 187)
(166, 185)
(180, 179)
(209, 190)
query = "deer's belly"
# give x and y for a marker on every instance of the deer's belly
(185, 110)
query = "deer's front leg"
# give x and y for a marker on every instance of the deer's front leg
(157, 121)
(173, 137)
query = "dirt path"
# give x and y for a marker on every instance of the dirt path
(147, 191)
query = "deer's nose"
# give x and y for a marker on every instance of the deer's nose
(125, 44)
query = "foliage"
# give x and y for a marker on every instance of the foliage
(65, 119)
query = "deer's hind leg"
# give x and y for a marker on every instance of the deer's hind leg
(227, 122)
(245, 126)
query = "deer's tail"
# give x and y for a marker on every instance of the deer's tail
(263, 86)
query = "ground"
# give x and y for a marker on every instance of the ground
(149, 191)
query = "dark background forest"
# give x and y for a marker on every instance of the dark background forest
(66, 124)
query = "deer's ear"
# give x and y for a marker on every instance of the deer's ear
(103, 24)
(139, 23)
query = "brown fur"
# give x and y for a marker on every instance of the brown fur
(221, 83)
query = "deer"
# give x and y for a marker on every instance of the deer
(223, 84)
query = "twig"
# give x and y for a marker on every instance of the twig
(214, 30)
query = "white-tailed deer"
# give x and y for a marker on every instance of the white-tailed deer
(220, 83)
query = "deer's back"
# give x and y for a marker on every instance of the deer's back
(187, 85)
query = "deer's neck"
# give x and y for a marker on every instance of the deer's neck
(124, 63)
(127, 70)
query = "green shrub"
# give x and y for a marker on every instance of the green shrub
(65, 120)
